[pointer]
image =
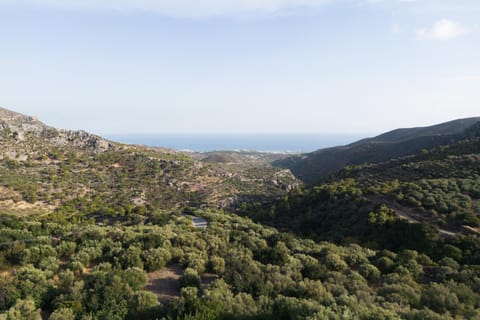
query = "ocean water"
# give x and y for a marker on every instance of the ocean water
(251, 142)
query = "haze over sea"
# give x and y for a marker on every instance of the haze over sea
(252, 142)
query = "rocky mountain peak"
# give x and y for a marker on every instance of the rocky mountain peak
(23, 134)
(8, 115)
(19, 122)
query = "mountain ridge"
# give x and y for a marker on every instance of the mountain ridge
(445, 128)
(314, 166)
(20, 131)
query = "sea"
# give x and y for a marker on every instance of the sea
(274, 143)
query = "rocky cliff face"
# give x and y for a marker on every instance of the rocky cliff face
(23, 136)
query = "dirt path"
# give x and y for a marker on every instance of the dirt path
(472, 229)
(401, 212)
(407, 214)
(165, 283)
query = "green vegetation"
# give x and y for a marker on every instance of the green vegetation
(131, 176)
(85, 271)
(88, 228)
(313, 167)
(411, 203)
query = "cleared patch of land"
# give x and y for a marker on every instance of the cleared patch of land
(165, 283)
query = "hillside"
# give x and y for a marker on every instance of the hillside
(24, 137)
(437, 191)
(110, 231)
(43, 168)
(312, 167)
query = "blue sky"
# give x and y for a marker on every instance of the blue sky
(211, 66)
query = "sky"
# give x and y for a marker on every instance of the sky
(240, 66)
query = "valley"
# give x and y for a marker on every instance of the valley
(385, 228)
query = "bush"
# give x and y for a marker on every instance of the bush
(217, 265)
(62, 314)
(23, 310)
(190, 278)
(335, 262)
(143, 303)
(369, 272)
(135, 278)
(155, 259)
(439, 298)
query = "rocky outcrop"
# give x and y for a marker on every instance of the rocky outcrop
(23, 133)
(83, 140)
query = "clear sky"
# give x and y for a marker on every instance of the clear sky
(171, 66)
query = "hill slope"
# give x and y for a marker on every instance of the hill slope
(53, 169)
(23, 137)
(394, 203)
(397, 143)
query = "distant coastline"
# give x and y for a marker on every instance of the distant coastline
(293, 143)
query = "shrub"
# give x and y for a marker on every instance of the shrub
(190, 278)
(62, 314)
